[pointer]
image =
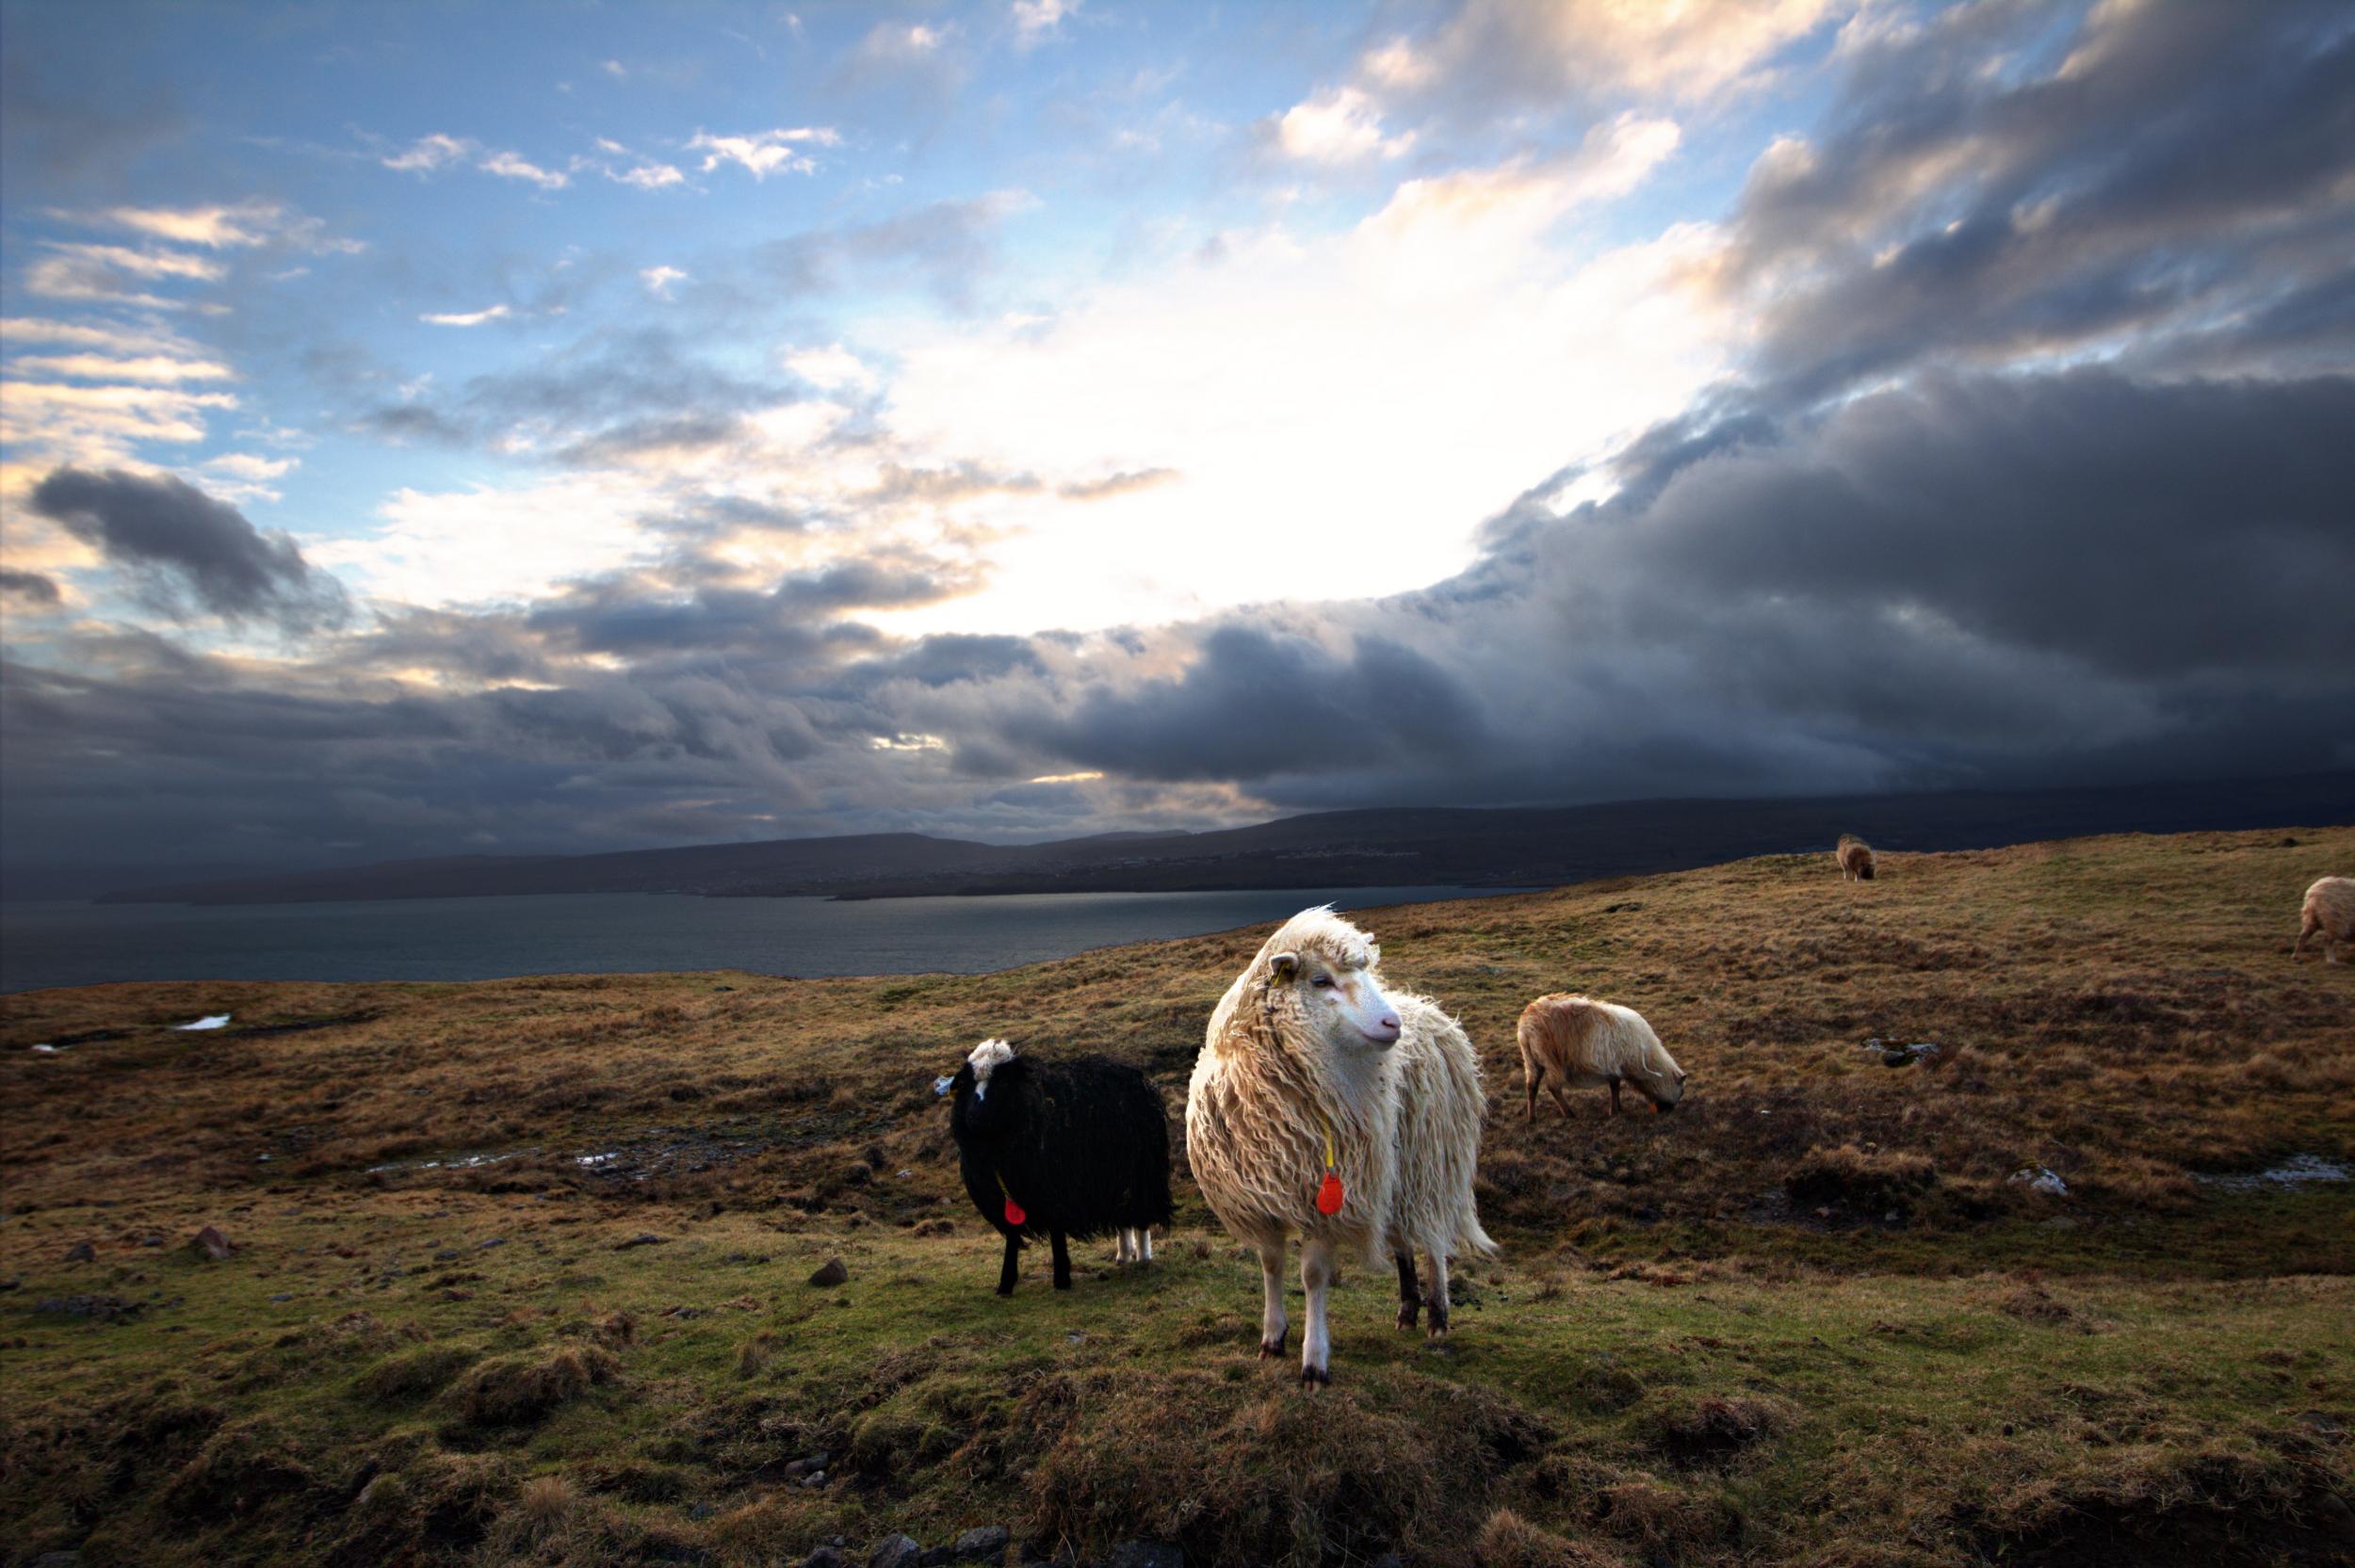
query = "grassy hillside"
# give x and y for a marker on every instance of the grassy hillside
(1809, 1318)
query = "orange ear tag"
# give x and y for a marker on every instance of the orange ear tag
(1014, 1213)
(1329, 1195)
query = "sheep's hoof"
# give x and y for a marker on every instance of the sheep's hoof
(1406, 1315)
(1315, 1377)
(1439, 1323)
(1273, 1350)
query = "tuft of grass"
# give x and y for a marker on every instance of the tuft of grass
(510, 1389)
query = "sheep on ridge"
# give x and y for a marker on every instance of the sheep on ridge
(1324, 1105)
(2329, 908)
(1855, 857)
(1061, 1149)
(1584, 1044)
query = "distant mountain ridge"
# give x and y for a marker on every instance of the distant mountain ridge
(1432, 846)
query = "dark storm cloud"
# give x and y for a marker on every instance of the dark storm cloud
(1256, 702)
(188, 552)
(30, 586)
(2165, 163)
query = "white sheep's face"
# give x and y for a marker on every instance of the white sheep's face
(1344, 1008)
(985, 1059)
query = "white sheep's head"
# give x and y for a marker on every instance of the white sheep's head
(1337, 1002)
(986, 1058)
(1659, 1077)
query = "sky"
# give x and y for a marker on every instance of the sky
(534, 428)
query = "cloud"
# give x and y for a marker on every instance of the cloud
(30, 588)
(221, 227)
(761, 154)
(1338, 125)
(468, 318)
(190, 553)
(514, 166)
(660, 279)
(1036, 20)
(92, 367)
(429, 153)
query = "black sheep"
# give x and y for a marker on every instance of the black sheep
(1059, 1148)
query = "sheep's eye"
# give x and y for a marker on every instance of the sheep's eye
(1322, 983)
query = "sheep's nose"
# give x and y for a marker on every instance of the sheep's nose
(1385, 1028)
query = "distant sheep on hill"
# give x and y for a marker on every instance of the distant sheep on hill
(1855, 857)
(1321, 1105)
(2329, 908)
(1061, 1149)
(1582, 1044)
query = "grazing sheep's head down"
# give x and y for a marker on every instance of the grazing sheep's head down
(1660, 1079)
(1322, 968)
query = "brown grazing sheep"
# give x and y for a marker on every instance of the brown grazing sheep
(2329, 908)
(1855, 857)
(1584, 1044)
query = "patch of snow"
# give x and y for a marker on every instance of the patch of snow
(942, 1085)
(48, 1050)
(210, 1020)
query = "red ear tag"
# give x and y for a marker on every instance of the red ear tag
(1329, 1195)
(1014, 1213)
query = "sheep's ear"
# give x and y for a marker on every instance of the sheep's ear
(1284, 965)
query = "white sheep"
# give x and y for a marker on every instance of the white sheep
(1585, 1044)
(1323, 1106)
(1855, 857)
(2329, 908)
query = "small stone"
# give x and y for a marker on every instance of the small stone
(815, 1479)
(445, 1253)
(832, 1273)
(81, 1251)
(209, 1242)
(983, 1543)
(895, 1551)
(1147, 1554)
(648, 1239)
(486, 1245)
(796, 1470)
(282, 1296)
(701, 1511)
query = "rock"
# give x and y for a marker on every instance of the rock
(81, 1251)
(648, 1239)
(983, 1543)
(2038, 1179)
(107, 1309)
(486, 1245)
(895, 1551)
(209, 1242)
(796, 1470)
(2334, 1514)
(815, 1479)
(701, 1511)
(1146, 1554)
(826, 1556)
(936, 1556)
(832, 1273)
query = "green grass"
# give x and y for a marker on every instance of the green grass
(1670, 1361)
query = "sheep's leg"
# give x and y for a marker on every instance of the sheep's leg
(1561, 1097)
(1316, 1277)
(2300, 947)
(1437, 1301)
(1409, 1293)
(1534, 1071)
(1615, 1096)
(1063, 1260)
(1273, 1328)
(1144, 1243)
(1121, 1245)
(1009, 1272)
